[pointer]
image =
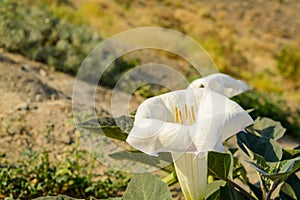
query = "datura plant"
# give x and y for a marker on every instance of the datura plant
(189, 123)
(192, 126)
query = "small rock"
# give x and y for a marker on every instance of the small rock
(25, 68)
(38, 97)
(43, 72)
(22, 106)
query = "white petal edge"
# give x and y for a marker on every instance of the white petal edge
(221, 83)
(218, 119)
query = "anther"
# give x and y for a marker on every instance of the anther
(193, 114)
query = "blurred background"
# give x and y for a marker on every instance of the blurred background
(43, 43)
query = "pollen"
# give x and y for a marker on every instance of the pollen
(185, 117)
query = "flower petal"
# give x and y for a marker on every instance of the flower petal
(236, 120)
(221, 83)
(216, 118)
(157, 136)
(155, 129)
(192, 174)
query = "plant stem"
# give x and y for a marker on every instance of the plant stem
(263, 186)
(242, 190)
(170, 179)
(272, 188)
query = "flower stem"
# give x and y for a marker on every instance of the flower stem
(170, 179)
(240, 189)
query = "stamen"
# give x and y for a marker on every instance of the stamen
(180, 117)
(193, 114)
(186, 112)
(176, 114)
(188, 117)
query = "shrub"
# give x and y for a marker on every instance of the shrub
(288, 62)
(35, 32)
(35, 176)
(227, 57)
(268, 105)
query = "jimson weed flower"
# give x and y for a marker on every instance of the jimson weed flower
(188, 123)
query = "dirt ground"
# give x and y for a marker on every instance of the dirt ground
(36, 111)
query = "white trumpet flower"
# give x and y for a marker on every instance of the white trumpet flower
(188, 123)
(221, 83)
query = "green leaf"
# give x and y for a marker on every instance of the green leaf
(276, 171)
(291, 165)
(258, 168)
(213, 189)
(258, 160)
(147, 187)
(265, 147)
(220, 165)
(290, 154)
(290, 189)
(160, 161)
(287, 192)
(255, 188)
(287, 168)
(227, 192)
(214, 196)
(268, 128)
(239, 171)
(116, 128)
(60, 197)
(233, 150)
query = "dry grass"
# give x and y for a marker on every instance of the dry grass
(241, 37)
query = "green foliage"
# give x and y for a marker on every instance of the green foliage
(275, 166)
(213, 189)
(288, 62)
(115, 71)
(290, 189)
(224, 53)
(64, 197)
(267, 157)
(290, 153)
(125, 3)
(117, 128)
(37, 33)
(266, 147)
(228, 192)
(268, 128)
(33, 31)
(151, 90)
(142, 186)
(60, 197)
(261, 81)
(223, 171)
(271, 106)
(68, 13)
(147, 187)
(36, 176)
